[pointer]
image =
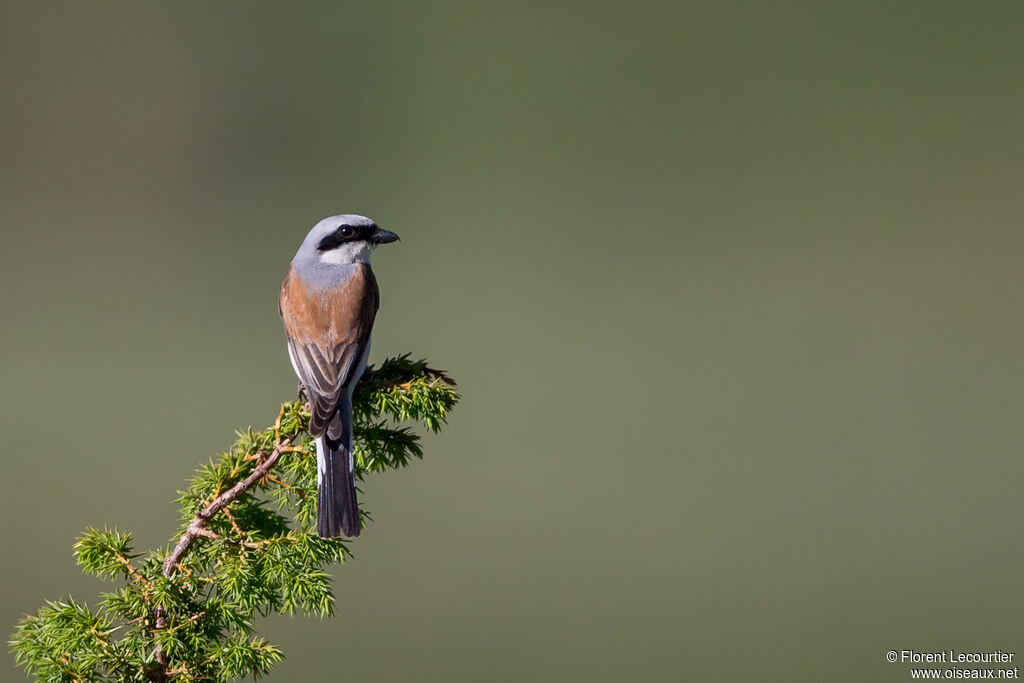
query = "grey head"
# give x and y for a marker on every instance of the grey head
(342, 240)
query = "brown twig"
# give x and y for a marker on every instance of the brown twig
(301, 493)
(197, 527)
(238, 530)
(234, 522)
(133, 572)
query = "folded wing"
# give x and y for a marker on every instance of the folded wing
(328, 332)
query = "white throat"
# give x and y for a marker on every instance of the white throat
(350, 252)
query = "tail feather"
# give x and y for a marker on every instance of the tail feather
(337, 506)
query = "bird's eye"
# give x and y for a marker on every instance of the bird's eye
(346, 231)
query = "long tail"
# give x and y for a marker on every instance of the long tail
(337, 508)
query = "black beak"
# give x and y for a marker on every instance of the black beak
(382, 236)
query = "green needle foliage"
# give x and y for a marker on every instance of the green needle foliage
(187, 612)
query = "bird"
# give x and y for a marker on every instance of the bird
(329, 299)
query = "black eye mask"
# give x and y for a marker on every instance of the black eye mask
(336, 239)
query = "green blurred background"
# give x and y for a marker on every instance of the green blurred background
(732, 291)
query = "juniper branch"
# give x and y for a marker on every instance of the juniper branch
(197, 527)
(186, 615)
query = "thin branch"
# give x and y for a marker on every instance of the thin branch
(301, 493)
(133, 572)
(197, 527)
(234, 522)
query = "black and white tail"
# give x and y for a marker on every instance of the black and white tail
(337, 508)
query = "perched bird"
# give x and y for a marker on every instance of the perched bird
(328, 302)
